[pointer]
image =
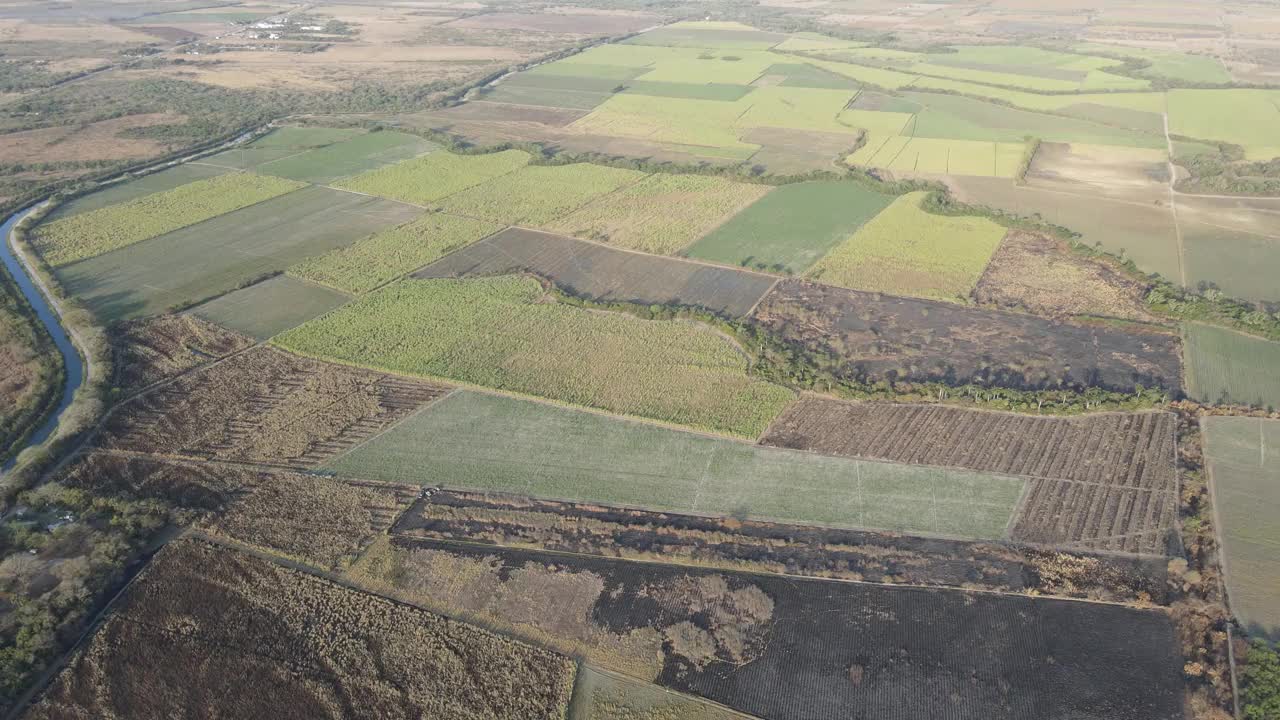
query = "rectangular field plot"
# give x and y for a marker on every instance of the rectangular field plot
(507, 333)
(1100, 482)
(1225, 366)
(221, 254)
(877, 337)
(279, 143)
(270, 307)
(787, 648)
(1245, 117)
(792, 226)
(662, 213)
(1244, 465)
(907, 251)
(485, 442)
(431, 177)
(606, 274)
(535, 195)
(266, 406)
(602, 695)
(360, 153)
(1241, 264)
(201, 615)
(127, 190)
(65, 241)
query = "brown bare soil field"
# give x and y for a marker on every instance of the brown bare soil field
(881, 338)
(266, 406)
(1104, 482)
(208, 632)
(149, 350)
(577, 23)
(1140, 175)
(1041, 275)
(96, 141)
(784, 151)
(165, 32)
(779, 548)
(319, 520)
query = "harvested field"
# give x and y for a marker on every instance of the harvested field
(538, 194)
(601, 695)
(906, 251)
(127, 190)
(100, 231)
(148, 351)
(662, 213)
(1139, 174)
(791, 227)
(1231, 368)
(204, 626)
(605, 274)
(226, 252)
(785, 648)
(317, 520)
(485, 442)
(385, 256)
(1039, 274)
(270, 307)
(266, 406)
(732, 544)
(1244, 467)
(878, 338)
(784, 151)
(359, 154)
(435, 176)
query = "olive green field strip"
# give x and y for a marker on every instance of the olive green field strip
(538, 194)
(224, 253)
(478, 441)
(1244, 465)
(131, 189)
(93, 233)
(1225, 366)
(278, 144)
(271, 306)
(434, 176)
(349, 157)
(606, 274)
(509, 333)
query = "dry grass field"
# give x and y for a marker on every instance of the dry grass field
(156, 348)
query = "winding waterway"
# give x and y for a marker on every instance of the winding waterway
(44, 306)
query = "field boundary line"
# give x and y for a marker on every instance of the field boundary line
(1173, 195)
(365, 194)
(756, 305)
(1019, 508)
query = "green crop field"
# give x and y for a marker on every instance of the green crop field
(680, 121)
(501, 333)
(943, 157)
(1241, 264)
(360, 153)
(705, 91)
(120, 192)
(1175, 65)
(280, 143)
(804, 75)
(798, 108)
(538, 194)
(1244, 464)
(1227, 366)
(907, 251)
(484, 442)
(952, 116)
(792, 226)
(385, 256)
(65, 241)
(662, 213)
(545, 96)
(1249, 118)
(431, 177)
(270, 307)
(224, 253)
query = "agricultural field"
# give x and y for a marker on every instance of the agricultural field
(1244, 468)
(1039, 274)
(907, 251)
(504, 334)
(94, 233)
(538, 194)
(135, 188)
(879, 338)
(154, 349)
(1240, 263)
(392, 253)
(779, 647)
(604, 274)
(1225, 366)
(793, 226)
(930, 156)
(278, 144)
(600, 695)
(432, 177)
(227, 252)
(349, 157)
(265, 406)
(1246, 118)
(196, 622)
(806, 550)
(484, 442)
(661, 214)
(270, 307)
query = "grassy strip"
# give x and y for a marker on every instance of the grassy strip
(1028, 157)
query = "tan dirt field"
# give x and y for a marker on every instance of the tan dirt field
(97, 141)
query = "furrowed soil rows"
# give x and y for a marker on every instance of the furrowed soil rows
(606, 274)
(1101, 482)
(881, 338)
(785, 648)
(267, 406)
(150, 350)
(206, 630)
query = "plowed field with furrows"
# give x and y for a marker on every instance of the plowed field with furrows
(267, 406)
(1097, 517)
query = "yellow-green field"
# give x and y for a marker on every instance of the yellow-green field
(429, 178)
(537, 194)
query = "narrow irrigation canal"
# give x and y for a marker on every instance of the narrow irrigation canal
(32, 288)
